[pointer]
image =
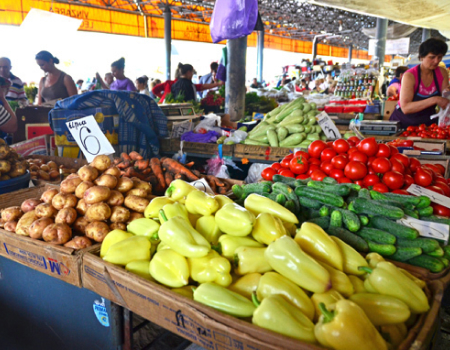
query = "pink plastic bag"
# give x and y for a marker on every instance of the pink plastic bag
(233, 19)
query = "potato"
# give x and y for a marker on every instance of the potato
(34, 167)
(78, 242)
(97, 231)
(11, 214)
(17, 169)
(45, 210)
(119, 214)
(107, 180)
(88, 173)
(43, 175)
(70, 185)
(57, 233)
(4, 177)
(137, 192)
(66, 216)
(45, 168)
(80, 225)
(137, 183)
(98, 212)
(118, 226)
(134, 215)
(5, 166)
(72, 174)
(30, 204)
(81, 207)
(96, 194)
(54, 174)
(124, 184)
(4, 151)
(114, 171)
(115, 198)
(10, 226)
(82, 187)
(48, 195)
(38, 226)
(2, 223)
(101, 163)
(52, 165)
(64, 200)
(25, 222)
(136, 203)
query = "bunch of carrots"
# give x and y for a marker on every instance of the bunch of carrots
(161, 172)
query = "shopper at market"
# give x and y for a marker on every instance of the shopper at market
(255, 84)
(8, 119)
(56, 84)
(79, 85)
(208, 78)
(142, 85)
(122, 83)
(106, 82)
(422, 86)
(394, 85)
(16, 91)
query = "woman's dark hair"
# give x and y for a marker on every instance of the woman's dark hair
(142, 80)
(400, 70)
(184, 68)
(434, 46)
(119, 64)
(47, 56)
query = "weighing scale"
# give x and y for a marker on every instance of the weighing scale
(379, 127)
(181, 118)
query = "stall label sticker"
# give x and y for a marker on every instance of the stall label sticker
(89, 137)
(328, 127)
(434, 197)
(101, 313)
(427, 228)
(179, 128)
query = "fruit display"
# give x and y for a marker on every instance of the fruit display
(290, 125)
(250, 261)
(48, 171)
(427, 132)
(11, 163)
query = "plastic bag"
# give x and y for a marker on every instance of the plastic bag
(218, 167)
(233, 19)
(236, 137)
(444, 114)
(208, 123)
(254, 172)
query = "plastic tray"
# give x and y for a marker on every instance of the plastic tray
(15, 184)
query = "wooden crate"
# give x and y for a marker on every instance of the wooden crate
(207, 148)
(442, 160)
(253, 153)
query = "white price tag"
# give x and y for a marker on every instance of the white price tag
(434, 197)
(328, 127)
(179, 128)
(203, 185)
(89, 137)
(427, 228)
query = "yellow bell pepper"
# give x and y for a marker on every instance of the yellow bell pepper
(351, 258)
(193, 218)
(328, 298)
(140, 268)
(246, 285)
(130, 249)
(111, 238)
(235, 220)
(315, 241)
(373, 259)
(224, 300)
(228, 245)
(222, 200)
(291, 229)
(185, 291)
(170, 268)
(179, 235)
(268, 228)
(211, 268)
(358, 284)
(258, 204)
(272, 283)
(250, 260)
(277, 314)
(179, 189)
(347, 327)
(286, 257)
(208, 228)
(143, 227)
(387, 279)
(382, 309)
(413, 278)
(172, 210)
(162, 246)
(339, 280)
(155, 205)
(394, 334)
(199, 202)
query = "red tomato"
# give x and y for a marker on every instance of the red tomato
(344, 180)
(316, 148)
(432, 167)
(368, 146)
(299, 165)
(423, 177)
(360, 183)
(358, 156)
(327, 154)
(444, 187)
(336, 174)
(409, 180)
(314, 161)
(414, 164)
(330, 144)
(440, 210)
(301, 154)
(383, 151)
(402, 192)
(355, 170)
(371, 180)
(435, 189)
(302, 176)
(318, 175)
(441, 169)
(406, 143)
(286, 162)
(397, 166)
(313, 167)
(394, 150)
(341, 146)
(393, 180)
(326, 167)
(351, 143)
(339, 162)
(354, 139)
(381, 165)
(351, 150)
(276, 166)
(370, 160)
(268, 173)
(370, 171)
(379, 187)
(402, 158)
(286, 172)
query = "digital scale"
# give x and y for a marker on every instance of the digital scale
(379, 127)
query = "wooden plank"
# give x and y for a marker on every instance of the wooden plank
(261, 152)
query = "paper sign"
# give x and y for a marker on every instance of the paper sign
(427, 228)
(179, 128)
(328, 127)
(434, 197)
(89, 137)
(203, 185)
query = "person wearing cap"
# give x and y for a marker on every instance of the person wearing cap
(16, 91)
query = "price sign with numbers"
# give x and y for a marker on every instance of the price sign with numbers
(328, 127)
(89, 137)
(434, 197)
(427, 228)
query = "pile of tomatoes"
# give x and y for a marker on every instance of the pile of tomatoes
(427, 132)
(371, 165)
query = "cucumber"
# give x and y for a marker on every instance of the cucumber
(365, 206)
(311, 213)
(364, 193)
(288, 192)
(403, 253)
(272, 196)
(391, 202)
(445, 261)
(403, 198)
(424, 202)
(300, 182)
(424, 212)
(364, 220)
(290, 205)
(336, 219)
(427, 244)
(324, 211)
(413, 213)
(428, 262)
(437, 219)
(382, 249)
(438, 253)
(319, 195)
(350, 219)
(284, 179)
(258, 188)
(338, 190)
(282, 133)
(352, 186)
(238, 190)
(329, 180)
(310, 203)
(272, 138)
(447, 251)
(376, 235)
(394, 228)
(281, 199)
(350, 238)
(292, 140)
(323, 222)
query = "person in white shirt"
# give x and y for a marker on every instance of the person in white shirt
(142, 85)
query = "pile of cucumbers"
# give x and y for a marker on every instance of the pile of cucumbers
(291, 125)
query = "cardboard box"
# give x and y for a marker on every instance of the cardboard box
(389, 107)
(252, 152)
(35, 146)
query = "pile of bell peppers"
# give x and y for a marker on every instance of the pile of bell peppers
(252, 262)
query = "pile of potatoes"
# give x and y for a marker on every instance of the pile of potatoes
(50, 171)
(11, 164)
(86, 207)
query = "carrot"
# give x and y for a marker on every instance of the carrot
(146, 171)
(125, 156)
(212, 184)
(156, 168)
(142, 164)
(189, 165)
(117, 161)
(124, 165)
(214, 179)
(180, 176)
(135, 156)
(196, 173)
(174, 167)
(129, 172)
(153, 180)
(168, 177)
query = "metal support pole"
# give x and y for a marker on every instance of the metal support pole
(235, 84)
(426, 34)
(168, 39)
(260, 56)
(145, 26)
(381, 34)
(314, 49)
(350, 53)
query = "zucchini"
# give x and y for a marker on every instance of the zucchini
(364, 193)
(290, 205)
(424, 212)
(376, 235)
(281, 199)
(350, 219)
(272, 138)
(403, 198)
(428, 262)
(324, 211)
(382, 249)
(393, 227)
(424, 202)
(310, 203)
(350, 238)
(336, 219)
(329, 180)
(288, 192)
(293, 128)
(338, 190)
(437, 219)
(427, 244)
(291, 140)
(406, 253)
(364, 220)
(413, 213)
(282, 133)
(365, 206)
(319, 195)
(438, 253)
(323, 222)
(249, 141)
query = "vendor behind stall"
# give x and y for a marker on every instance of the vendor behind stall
(422, 86)
(394, 86)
